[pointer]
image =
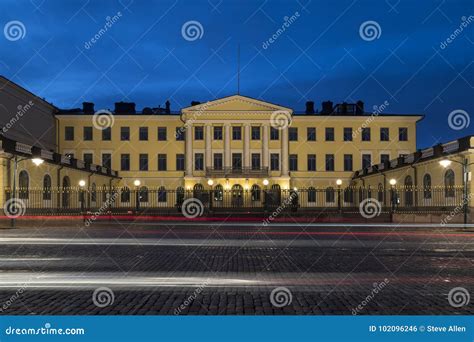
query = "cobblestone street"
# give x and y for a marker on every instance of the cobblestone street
(232, 268)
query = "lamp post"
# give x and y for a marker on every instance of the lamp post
(447, 162)
(210, 182)
(82, 184)
(265, 184)
(137, 183)
(339, 206)
(392, 182)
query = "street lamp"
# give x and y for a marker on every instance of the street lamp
(210, 182)
(265, 182)
(392, 182)
(82, 184)
(447, 162)
(137, 183)
(338, 183)
(265, 199)
(37, 161)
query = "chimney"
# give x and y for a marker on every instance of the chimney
(309, 107)
(125, 107)
(195, 103)
(327, 107)
(167, 107)
(360, 108)
(88, 108)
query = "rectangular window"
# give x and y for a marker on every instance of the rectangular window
(180, 133)
(87, 133)
(293, 134)
(366, 160)
(218, 165)
(237, 133)
(218, 133)
(180, 162)
(384, 158)
(125, 133)
(274, 133)
(69, 133)
(293, 162)
(347, 133)
(311, 162)
(107, 134)
(88, 158)
(198, 133)
(348, 162)
(107, 160)
(143, 162)
(329, 162)
(366, 134)
(236, 161)
(162, 162)
(274, 161)
(384, 134)
(311, 134)
(329, 133)
(198, 161)
(256, 161)
(162, 134)
(125, 162)
(143, 133)
(255, 133)
(403, 134)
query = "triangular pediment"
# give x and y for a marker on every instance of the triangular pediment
(236, 103)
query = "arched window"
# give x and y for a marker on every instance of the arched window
(143, 194)
(408, 191)
(23, 184)
(66, 191)
(330, 196)
(380, 193)
(93, 193)
(449, 183)
(47, 188)
(237, 195)
(104, 192)
(427, 186)
(255, 192)
(311, 194)
(161, 194)
(218, 193)
(179, 195)
(125, 195)
(348, 195)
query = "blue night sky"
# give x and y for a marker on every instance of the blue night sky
(144, 58)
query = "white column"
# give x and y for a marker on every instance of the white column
(247, 145)
(208, 147)
(284, 151)
(189, 150)
(265, 153)
(227, 156)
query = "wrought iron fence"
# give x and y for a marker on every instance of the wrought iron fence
(74, 201)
